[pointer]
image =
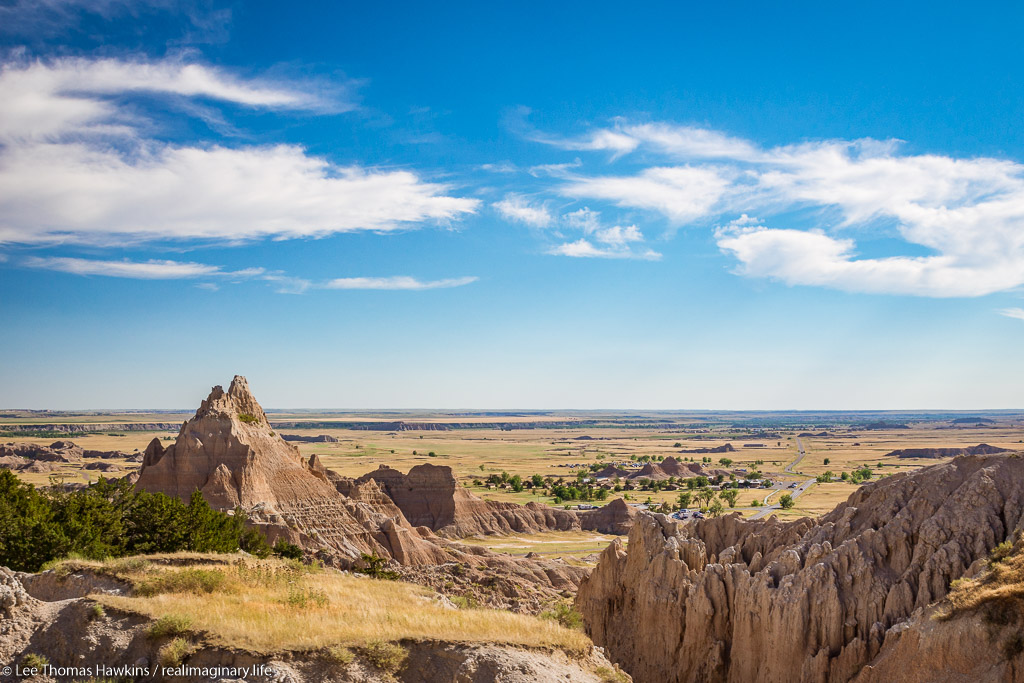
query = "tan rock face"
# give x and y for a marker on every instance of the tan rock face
(230, 453)
(810, 600)
(617, 517)
(430, 496)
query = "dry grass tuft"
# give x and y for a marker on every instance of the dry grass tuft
(175, 652)
(1000, 589)
(272, 606)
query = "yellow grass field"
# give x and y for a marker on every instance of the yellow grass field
(273, 606)
(475, 453)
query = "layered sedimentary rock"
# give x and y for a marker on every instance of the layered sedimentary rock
(322, 438)
(724, 448)
(617, 517)
(229, 452)
(810, 600)
(58, 451)
(430, 496)
(980, 449)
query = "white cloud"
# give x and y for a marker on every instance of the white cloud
(139, 270)
(1017, 313)
(178, 270)
(682, 193)
(62, 179)
(679, 141)
(583, 248)
(396, 282)
(618, 235)
(799, 257)
(517, 208)
(962, 219)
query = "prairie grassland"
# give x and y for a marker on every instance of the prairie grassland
(274, 606)
(569, 545)
(473, 454)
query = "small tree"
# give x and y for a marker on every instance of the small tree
(827, 461)
(729, 496)
(716, 508)
(684, 499)
(786, 501)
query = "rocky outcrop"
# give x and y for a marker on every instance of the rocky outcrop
(66, 630)
(58, 451)
(229, 453)
(31, 457)
(87, 427)
(980, 449)
(611, 472)
(811, 600)
(724, 448)
(617, 517)
(430, 496)
(322, 438)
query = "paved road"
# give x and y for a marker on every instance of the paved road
(793, 492)
(800, 456)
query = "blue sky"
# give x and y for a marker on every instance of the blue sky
(496, 205)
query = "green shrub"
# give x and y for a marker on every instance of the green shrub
(786, 501)
(607, 675)
(374, 565)
(288, 551)
(97, 611)
(34, 661)
(1000, 553)
(302, 597)
(168, 627)
(175, 652)
(388, 657)
(248, 418)
(565, 615)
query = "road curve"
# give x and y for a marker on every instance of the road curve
(794, 492)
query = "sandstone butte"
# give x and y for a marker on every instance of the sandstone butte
(848, 596)
(230, 453)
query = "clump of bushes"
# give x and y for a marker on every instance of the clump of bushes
(248, 418)
(303, 597)
(168, 627)
(288, 551)
(175, 652)
(565, 615)
(375, 566)
(109, 520)
(34, 661)
(388, 657)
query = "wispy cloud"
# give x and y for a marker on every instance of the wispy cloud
(180, 270)
(396, 282)
(1017, 313)
(517, 208)
(137, 270)
(77, 164)
(967, 214)
(582, 248)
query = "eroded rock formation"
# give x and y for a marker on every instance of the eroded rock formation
(430, 496)
(229, 452)
(980, 449)
(809, 600)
